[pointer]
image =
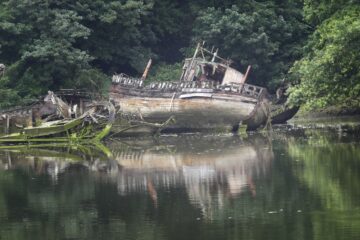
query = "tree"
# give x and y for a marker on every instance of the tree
(43, 35)
(329, 72)
(259, 34)
(120, 38)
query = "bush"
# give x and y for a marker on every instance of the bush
(165, 72)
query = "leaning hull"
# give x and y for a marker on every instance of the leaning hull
(192, 113)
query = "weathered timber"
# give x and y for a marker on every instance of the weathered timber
(92, 125)
(209, 94)
(194, 105)
(146, 71)
(7, 124)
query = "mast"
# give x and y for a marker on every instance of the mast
(146, 71)
(188, 69)
(247, 73)
(215, 55)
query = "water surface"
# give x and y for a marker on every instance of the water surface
(302, 184)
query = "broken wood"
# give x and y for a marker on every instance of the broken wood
(63, 108)
(7, 124)
(92, 125)
(247, 73)
(146, 71)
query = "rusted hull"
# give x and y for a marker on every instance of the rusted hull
(194, 112)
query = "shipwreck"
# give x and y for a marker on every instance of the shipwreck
(209, 94)
(52, 120)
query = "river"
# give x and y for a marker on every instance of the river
(288, 184)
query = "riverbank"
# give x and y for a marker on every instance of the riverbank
(334, 117)
(350, 124)
(328, 112)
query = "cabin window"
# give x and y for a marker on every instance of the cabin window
(212, 72)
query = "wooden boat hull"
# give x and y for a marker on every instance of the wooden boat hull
(194, 112)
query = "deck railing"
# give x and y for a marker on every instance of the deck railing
(247, 90)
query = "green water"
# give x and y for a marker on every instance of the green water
(286, 185)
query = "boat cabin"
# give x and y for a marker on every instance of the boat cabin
(202, 69)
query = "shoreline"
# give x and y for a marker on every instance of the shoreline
(328, 112)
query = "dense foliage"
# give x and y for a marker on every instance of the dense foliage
(166, 72)
(52, 44)
(264, 35)
(80, 44)
(329, 71)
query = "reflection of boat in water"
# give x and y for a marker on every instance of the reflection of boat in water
(52, 159)
(210, 168)
(224, 166)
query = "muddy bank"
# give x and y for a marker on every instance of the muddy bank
(350, 124)
(329, 112)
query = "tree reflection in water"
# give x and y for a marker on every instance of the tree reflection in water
(330, 169)
(301, 186)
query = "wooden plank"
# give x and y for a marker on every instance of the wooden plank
(49, 130)
(29, 122)
(81, 105)
(7, 124)
(193, 95)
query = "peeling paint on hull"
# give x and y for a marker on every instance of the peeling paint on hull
(195, 113)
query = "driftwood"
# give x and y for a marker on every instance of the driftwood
(132, 124)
